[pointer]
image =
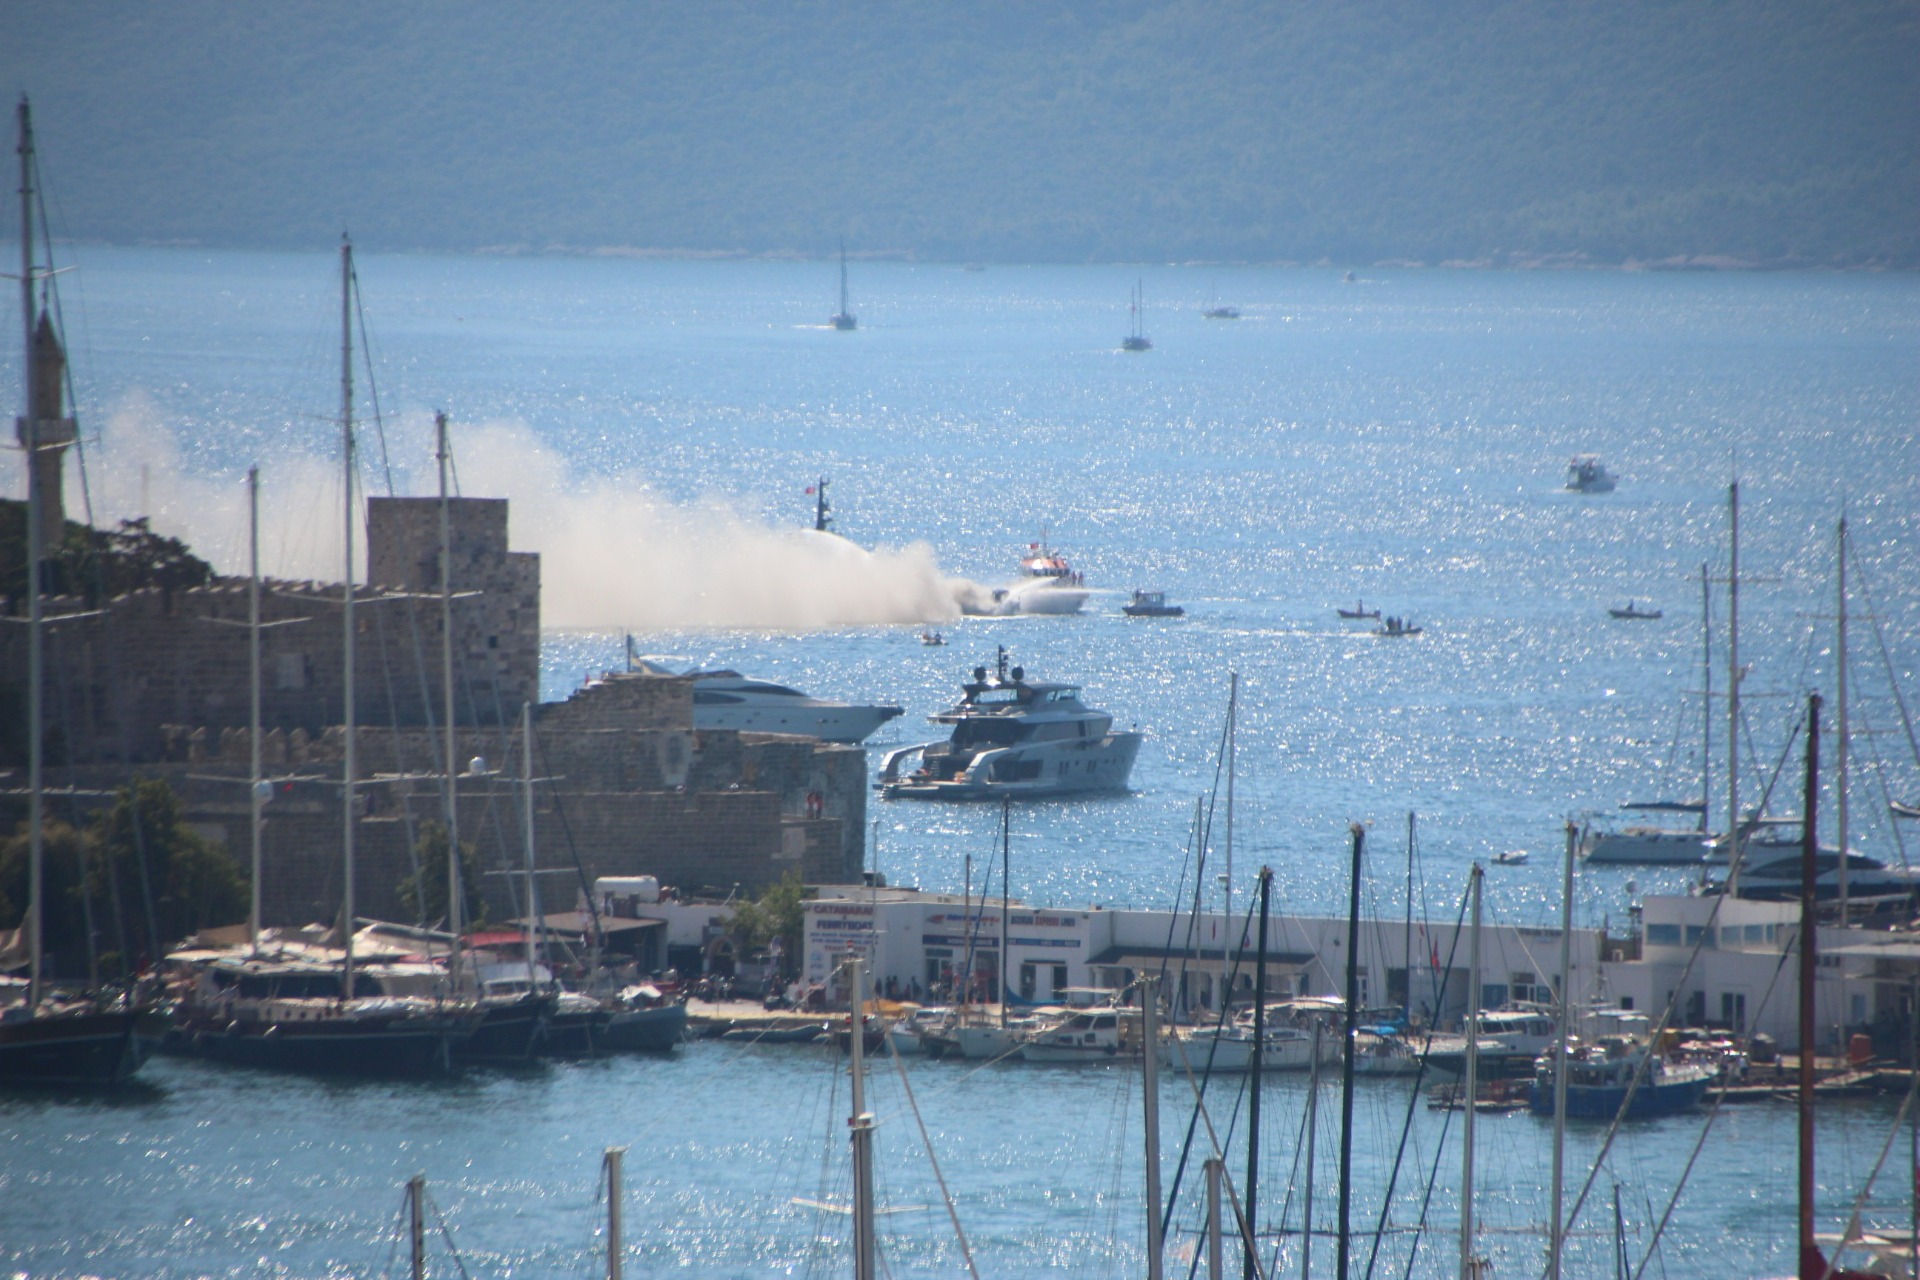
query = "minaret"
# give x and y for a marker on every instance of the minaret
(46, 432)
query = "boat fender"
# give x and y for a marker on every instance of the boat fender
(271, 1033)
(233, 1028)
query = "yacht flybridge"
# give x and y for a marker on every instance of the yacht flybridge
(1013, 736)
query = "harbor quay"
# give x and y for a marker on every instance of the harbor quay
(1715, 961)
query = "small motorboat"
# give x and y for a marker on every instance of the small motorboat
(1396, 627)
(932, 637)
(1633, 610)
(1359, 610)
(1585, 474)
(1151, 604)
(1511, 858)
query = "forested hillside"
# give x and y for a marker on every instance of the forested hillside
(1484, 130)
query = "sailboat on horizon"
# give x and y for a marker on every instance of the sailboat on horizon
(844, 319)
(1136, 339)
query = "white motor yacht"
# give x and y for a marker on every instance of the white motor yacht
(1645, 845)
(1014, 737)
(1771, 870)
(726, 699)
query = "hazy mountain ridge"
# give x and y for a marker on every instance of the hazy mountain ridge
(1498, 131)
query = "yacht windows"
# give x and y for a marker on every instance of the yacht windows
(989, 733)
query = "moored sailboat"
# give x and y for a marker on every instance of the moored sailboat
(843, 319)
(54, 1039)
(316, 1013)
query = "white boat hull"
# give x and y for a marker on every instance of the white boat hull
(848, 724)
(1038, 770)
(1648, 846)
(1231, 1050)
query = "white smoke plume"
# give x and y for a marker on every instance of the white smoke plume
(613, 553)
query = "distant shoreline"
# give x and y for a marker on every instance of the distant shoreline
(1555, 261)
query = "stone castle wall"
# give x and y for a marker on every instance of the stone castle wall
(161, 680)
(116, 674)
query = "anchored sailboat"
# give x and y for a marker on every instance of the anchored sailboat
(315, 1014)
(1136, 339)
(844, 319)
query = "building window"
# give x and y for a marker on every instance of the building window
(1493, 994)
(290, 671)
(1663, 935)
(1733, 1011)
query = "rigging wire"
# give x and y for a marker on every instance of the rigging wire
(1413, 1102)
(1706, 1127)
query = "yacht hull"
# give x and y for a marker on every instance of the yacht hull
(1052, 769)
(78, 1051)
(510, 1032)
(1645, 846)
(645, 1030)
(387, 1046)
(849, 724)
(1604, 1102)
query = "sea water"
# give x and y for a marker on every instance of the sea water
(1400, 438)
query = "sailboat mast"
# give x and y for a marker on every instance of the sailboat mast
(535, 930)
(1840, 739)
(346, 607)
(253, 668)
(1706, 698)
(1406, 928)
(1733, 689)
(36, 659)
(1250, 1263)
(456, 897)
(1150, 1117)
(1228, 935)
(1563, 1027)
(1313, 1128)
(843, 277)
(1469, 1269)
(1344, 1245)
(1809, 962)
(861, 1125)
(1006, 858)
(613, 1159)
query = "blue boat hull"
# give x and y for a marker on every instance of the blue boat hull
(1603, 1102)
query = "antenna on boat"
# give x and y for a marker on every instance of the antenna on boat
(820, 508)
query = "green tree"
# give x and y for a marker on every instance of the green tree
(425, 891)
(65, 854)
(780, 913)
(99, 563)
(159, 879)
